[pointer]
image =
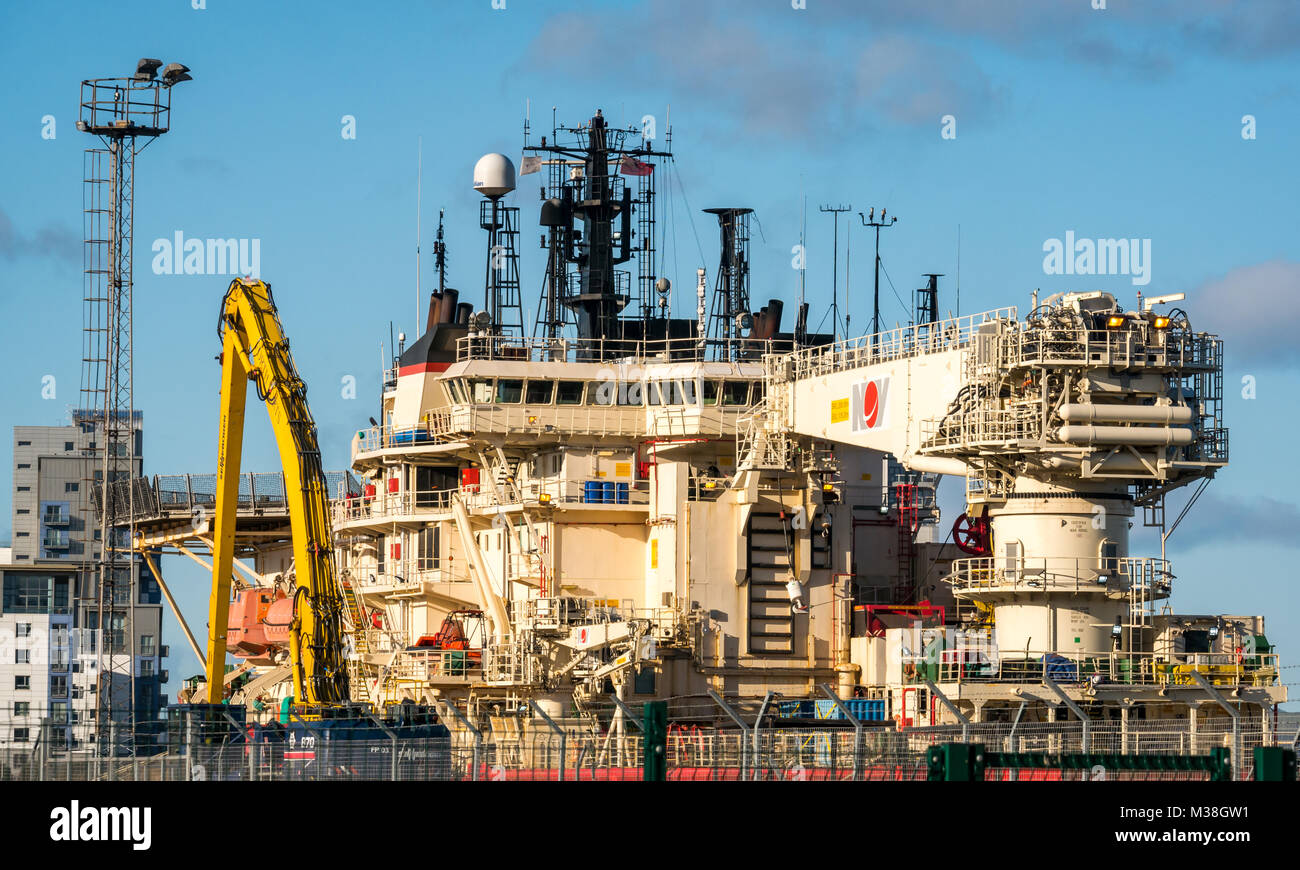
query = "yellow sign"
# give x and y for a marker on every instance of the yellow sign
(622, 469)
(839, 410)
(654, 552)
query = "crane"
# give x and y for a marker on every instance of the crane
(254, 348)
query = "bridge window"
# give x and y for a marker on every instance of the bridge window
(735, 393)
(510, 391)
(539, 392)
(481, 391)
(600, 393)
(629, 393)
(456, 389)
(709, 392)
(569, 393)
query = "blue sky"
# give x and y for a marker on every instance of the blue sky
(1121, 122)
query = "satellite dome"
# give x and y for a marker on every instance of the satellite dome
(494, 175)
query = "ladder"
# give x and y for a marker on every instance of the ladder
(908, 522)
(361, 646)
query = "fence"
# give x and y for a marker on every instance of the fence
(510, 747)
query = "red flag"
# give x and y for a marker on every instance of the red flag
(632, 166)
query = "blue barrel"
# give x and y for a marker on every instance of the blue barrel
(609, 492)
(622, 490)
(591, 492)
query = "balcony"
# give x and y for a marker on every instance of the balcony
(55, 540)
(55, 516)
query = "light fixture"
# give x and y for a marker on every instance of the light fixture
(175, 73)
(1162, 323)
(1116, 630)
(544, 498)
(1115, 321)
(146, 69)
(1214, 631)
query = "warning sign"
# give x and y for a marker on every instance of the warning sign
(839, 410)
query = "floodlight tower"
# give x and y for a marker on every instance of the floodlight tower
(126, 113)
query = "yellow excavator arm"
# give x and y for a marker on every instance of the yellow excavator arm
(254, 348)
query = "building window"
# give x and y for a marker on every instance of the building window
(20, 735)
(22, 682)
(22, 657)
(22, 708)
(24, 444)
(67, 445)
(23, 465)
(22, 511)
(71, 486)
(59, 687)
(24, 489)
(146, 645)
(24, 629)
(35, 593)
(146, 668)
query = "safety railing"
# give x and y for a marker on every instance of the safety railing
(1060, 574)
(1095, 670)
(564, 611)
(898, 343)
(515, 348)
(982, 426)
(467, 421)
(1134, 345)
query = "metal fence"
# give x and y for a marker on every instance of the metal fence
(513, 748)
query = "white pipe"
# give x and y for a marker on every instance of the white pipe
(492, 603)
(1126, 413)
(1158, 436)
(936, 464)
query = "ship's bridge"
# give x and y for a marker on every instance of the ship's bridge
(540, 391)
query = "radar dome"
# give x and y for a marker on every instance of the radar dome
(494, 175)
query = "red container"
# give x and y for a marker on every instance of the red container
(392, 484)
(369, 490)
(397, 551)
(469, 479)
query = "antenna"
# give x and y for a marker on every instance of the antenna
(419, 179)
(440, 255)
(835, 212)
(870, 220)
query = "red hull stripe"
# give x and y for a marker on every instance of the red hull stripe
(423, 369)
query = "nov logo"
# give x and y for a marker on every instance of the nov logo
(870, 405)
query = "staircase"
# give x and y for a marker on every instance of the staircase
(356, 667)
(771, 621)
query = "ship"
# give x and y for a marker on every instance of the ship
(621, 502)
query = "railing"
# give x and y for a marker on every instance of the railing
(514, 348)
(1060, 574)
(196, 494)
(982, 426)
(385, 505)
(1120, 668)
(464, 421)
(1135, 344)
(422, 666)
(898, 343)
(564, 611)
(509, 747)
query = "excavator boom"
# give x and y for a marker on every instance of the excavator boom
(254, 348)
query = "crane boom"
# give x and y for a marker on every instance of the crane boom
(254, 348)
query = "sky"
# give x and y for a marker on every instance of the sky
(987, 128)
